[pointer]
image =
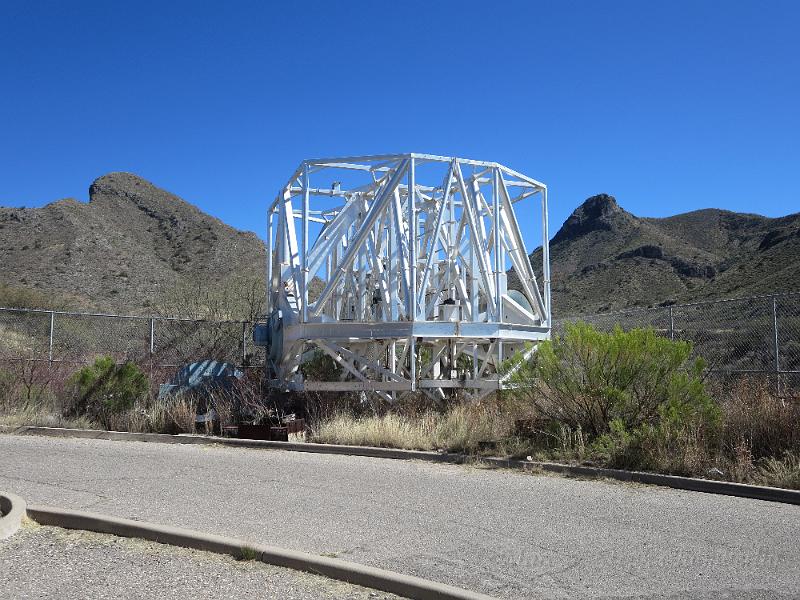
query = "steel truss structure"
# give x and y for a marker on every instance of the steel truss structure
(410, 252)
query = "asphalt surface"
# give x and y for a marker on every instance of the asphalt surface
(508, 534)
(48, 562)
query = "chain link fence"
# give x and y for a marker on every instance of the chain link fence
(65, 337)
(758, 335)
(40, 351)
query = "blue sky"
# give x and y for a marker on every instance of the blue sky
(669, 106)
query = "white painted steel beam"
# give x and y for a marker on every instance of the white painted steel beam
(412, 262)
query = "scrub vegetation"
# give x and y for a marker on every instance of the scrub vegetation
(102, 395)
(628, 400)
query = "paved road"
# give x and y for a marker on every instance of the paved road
(509, 534)
(48, 562)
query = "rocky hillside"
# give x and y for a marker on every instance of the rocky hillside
(605, 258)
(137, 248)
(127, 250)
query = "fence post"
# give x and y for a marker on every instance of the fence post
(671, 325)
(775, 328)
(50, 346)
(244, 342)
(777, 345)
(152, 335)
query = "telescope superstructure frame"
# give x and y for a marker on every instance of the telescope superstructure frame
(411, 252)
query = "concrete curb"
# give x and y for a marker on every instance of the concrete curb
(379, 579)
(708, 486)
(369, 451)
(12, 511)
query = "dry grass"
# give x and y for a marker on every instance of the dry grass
(172, 416)
(388, 431)
(463, 427)
(780, 472)
(42, 416)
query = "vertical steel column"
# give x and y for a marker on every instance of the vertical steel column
(412, 241)
(304, 255)
(498, 246)
(393, 268)
(52, 328)
(393, 362)
(268, 305)
(498, 261)
(364, 295)
(546, 259)
(412, 362)
(451, 236)
(412, 283)
(473, 274)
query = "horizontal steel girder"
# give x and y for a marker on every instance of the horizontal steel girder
(362, 332)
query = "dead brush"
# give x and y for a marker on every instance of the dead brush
(780, 472)
(755, 418)
(180, 414)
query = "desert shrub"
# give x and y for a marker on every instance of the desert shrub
(622, 399)
(683, 450)
(105, 388)
(588, 379)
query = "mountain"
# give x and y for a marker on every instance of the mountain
(605, 258)
(136, 248)
(127, 250)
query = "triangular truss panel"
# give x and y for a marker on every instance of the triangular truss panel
(395, 267)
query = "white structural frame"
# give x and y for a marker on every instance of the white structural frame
(411, 252)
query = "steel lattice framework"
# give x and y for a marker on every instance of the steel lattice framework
(410, 252)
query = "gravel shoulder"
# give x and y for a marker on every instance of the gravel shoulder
(49, 562)
(506, 534)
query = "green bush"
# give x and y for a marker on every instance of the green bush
(588, 379)
(105, 388)
(635, 395)
(320, 367)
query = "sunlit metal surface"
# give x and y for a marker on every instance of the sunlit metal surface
(408, 254)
